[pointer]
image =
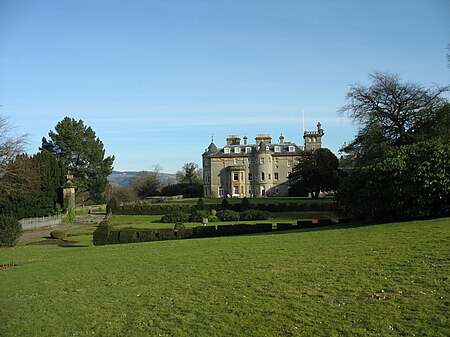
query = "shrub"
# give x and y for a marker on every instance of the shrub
(102, 233)
(128, 235)
(225, 204)
(175, 217)
(58, 234)
(245, 204)
(111, 206)
(113, 236)
(253, 214)
(200, 204)
(228, 215)
(213, 218)
(179, 227)
(69, 218)
(198, 216)
(10, 230)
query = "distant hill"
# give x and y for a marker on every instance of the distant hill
(123, 178)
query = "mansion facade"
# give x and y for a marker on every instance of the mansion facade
(253, 170)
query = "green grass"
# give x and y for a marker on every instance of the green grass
(380, 280)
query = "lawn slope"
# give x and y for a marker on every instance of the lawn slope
(380, 280)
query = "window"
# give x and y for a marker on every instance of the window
(290, 163)
(267, 148)
(277, 149)
(262, 176)
(261, 160)
(207, 191)
(291, 148)
(269, 176)
(237, 150)
(234, 161)
(275, 176)
(270, 160)
(236, 190)
(221, 192)
(206, 177)
(277, 191)
(276, 160)
(242, 176)
(235, 176)
(226, 150)
(248, 149)
(250, 176)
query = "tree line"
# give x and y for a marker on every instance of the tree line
(30, 186)
(148, 184)
(399, 161)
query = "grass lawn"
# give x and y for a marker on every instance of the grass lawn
(379, 280)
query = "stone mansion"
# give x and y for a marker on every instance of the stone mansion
(253, 170)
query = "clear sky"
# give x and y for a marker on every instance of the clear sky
(155, 79)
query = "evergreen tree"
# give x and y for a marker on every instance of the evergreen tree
(77, 146)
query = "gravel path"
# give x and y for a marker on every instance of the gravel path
(80, 221)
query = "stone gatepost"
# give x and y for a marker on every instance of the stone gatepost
(69, 193)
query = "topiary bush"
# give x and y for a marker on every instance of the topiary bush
(102, 233)
(245, 204)
(228, 215)
(10, 230)
(111, 206)
(198, 216)
(58, 234)
(254, 214)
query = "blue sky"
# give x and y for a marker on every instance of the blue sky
(155, 79)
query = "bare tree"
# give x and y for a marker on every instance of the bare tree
(16, 170)
(389, 112)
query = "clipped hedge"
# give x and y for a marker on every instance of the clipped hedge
(186, 233)
(128, 235)
(148, 235)
(166, 234)
(205, 231)
(58, 234)
(284, 226)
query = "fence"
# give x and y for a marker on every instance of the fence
(33, 223)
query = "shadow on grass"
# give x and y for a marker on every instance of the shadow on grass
(73, 246)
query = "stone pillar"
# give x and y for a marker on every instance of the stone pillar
(69, 193)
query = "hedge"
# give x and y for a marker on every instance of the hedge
(161, 209)
(284, 226)
(205, 231)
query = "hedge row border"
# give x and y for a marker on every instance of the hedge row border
(106, 234)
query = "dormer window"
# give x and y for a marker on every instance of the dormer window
(237, 150)
(267, 148)
(248, 149)
(277, 148)
(226, 150)
(291, 148)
